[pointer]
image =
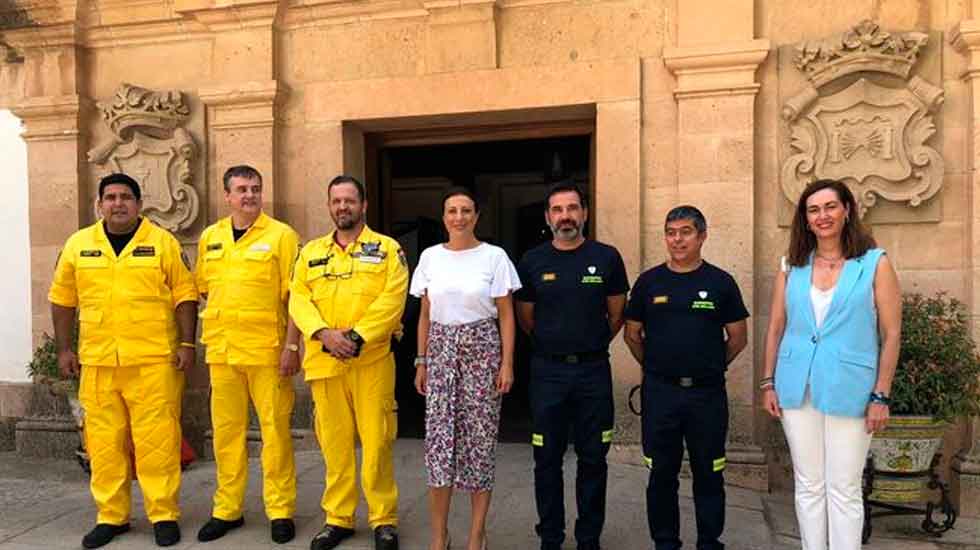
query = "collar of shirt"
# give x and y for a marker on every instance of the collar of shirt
(226, 226)
(103, 240)
(366, 236)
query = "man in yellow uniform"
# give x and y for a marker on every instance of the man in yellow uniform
(243, 266)
(347, 297)
(137, 311)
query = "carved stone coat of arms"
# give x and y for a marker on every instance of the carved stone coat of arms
(149, 144)
(872, 137)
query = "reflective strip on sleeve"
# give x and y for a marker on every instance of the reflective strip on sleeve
(537, 440)
(607, 436)
(718, 464)
(648, 462)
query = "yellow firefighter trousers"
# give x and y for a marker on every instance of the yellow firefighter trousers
(273, 397)
(134, 408)
(358, 404)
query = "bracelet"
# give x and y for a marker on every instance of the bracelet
(420, 361)
(768, 382)
(187, 345)
(880, 398)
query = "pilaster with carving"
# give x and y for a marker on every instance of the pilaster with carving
(715, 94)
(39, 83)
(874, 137)
(149, 143)
(965, 37)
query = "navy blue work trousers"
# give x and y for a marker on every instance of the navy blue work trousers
(571, 401)
(672, 417)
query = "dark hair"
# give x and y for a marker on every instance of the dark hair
(565, 187)
(856, 239)
(687, 212)
(460, 191)
(122, 179)
(344, 178)
(240, 171)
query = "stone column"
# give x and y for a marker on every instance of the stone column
(41, 88)
(715, 96)
(965, 37)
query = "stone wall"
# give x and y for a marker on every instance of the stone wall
(679, 109)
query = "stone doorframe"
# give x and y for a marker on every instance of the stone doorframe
(338, 114)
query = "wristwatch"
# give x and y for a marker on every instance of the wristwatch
(292, 347)
(419, 361)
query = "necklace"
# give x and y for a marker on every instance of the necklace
(831, 262)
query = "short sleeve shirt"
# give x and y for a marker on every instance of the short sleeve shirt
(462, 284)
(569, 289)
(683, 316)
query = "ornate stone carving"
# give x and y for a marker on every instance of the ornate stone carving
(871, 136)
(150, 144)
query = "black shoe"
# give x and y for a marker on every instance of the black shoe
(385, 537)
(102, 534)
(283, 530)
(329, 537)
(216, 528)
(166, 533)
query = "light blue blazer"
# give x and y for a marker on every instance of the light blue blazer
(838, 361)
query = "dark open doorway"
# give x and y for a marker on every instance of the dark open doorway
(510, 179)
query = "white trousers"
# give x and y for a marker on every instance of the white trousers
(828, 453)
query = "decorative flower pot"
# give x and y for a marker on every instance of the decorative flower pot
(902, 454)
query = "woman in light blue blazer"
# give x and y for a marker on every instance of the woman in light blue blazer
(831, 351)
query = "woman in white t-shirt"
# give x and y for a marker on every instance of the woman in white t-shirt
(465, 362)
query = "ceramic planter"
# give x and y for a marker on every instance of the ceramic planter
(902, 456)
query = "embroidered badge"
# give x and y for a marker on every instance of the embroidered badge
(702, 304)
(260, 247)
(592, 279)
(660, 299)
(591, 270)
(89, 253)
(144, 251)
(702, 294)
(548, 276)
(214, 246)
(318, 261)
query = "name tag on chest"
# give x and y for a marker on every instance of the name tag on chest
(369, 259)
(144, 251)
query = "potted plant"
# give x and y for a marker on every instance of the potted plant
(936, 382)
(43, 369)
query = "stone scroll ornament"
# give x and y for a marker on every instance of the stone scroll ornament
(149, 143)
(868, 135)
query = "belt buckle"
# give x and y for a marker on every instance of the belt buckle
(571, 359)
(686, 382)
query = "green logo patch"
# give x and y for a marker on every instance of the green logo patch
(592, 279)
(702, 304)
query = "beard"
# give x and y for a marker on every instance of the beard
(566, 231)
(345, 221)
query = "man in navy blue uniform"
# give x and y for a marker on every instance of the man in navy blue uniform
(685, 323)
(571, 303)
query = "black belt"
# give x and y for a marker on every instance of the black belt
(576, 358)
(691, 381)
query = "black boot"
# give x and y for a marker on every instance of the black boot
(282, 530)
(103, 534)
(216, 528)
(166, 533)
(329, 537)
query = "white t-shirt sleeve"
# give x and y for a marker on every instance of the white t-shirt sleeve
(505, 279)
(420, 279)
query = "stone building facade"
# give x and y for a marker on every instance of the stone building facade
(729, 105)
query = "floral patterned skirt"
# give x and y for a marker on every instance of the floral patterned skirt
(462, 407)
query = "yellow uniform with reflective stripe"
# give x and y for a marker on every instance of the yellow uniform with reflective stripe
(246, 283)
(125, 304)
(129, 388)
(363, 287)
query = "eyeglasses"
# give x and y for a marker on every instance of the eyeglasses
(336, 276)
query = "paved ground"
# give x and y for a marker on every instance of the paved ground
(45, 504)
